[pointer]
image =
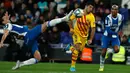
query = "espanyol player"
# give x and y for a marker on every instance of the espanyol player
(30, 36)
(113, 25)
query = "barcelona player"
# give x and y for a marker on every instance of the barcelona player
(113, 25)
(30, 36)
(80, 31)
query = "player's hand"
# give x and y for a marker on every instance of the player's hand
(1, 45)
(71, 31)
(89, 42)
(120, 33)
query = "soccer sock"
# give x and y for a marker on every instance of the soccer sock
(110, 50)
(102, 60)
(55, 21)
(74, 57)
(71, 48)
(29, 62)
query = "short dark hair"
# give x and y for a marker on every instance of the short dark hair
(90, 3)
(2, 14)
(125, 5)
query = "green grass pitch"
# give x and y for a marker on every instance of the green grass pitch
(5, 67)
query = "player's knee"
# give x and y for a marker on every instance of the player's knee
(44, 26)
(38, 58)
(103, 52)
(76, 52)
(78, 47)
(37, 55)
(116, 50)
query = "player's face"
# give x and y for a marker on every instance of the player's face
(5, 18)
(89, 8)
(114, 12)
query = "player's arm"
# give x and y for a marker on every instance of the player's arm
(6, 30)
(72, 17)
(71, 21)
(71, 27)
(108, 27)
(107, 24)
(93, 28)
(76, 14)
(92, 33)
(121, 27)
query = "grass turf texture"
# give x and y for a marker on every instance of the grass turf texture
(5, 67)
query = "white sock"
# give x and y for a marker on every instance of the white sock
(54, 22)
(29, 62)
(110, 50)
(1, 31)
(102, 60)
(59, 20)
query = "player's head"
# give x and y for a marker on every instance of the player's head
(89, 7)
(114, 10)
(5, 18)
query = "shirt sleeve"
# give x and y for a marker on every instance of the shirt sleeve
(8, 26)
(122, 23)
(72, 17)
(92, 21)
(1, 31)
(107, 26)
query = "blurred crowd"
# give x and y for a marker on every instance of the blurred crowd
(35, 12)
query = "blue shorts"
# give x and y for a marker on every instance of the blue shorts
(107, 40)
(34, 32)
(31, 38)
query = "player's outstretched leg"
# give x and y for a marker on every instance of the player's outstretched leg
(37, 57)
(75, 51)
(27, 62)
(16, 66)
(109, 51)
(56, 21)
(59, 20)
(102, 59)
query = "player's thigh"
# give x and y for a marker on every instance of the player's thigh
(116, 43)
(36, 52)
(105, 42)
(37, 55)
(44, 26)
(76, 38)
(34, 32)
(77, 41)
(83, 40)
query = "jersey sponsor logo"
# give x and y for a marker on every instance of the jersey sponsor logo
(109, 22)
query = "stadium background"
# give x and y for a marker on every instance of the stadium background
(51, 43)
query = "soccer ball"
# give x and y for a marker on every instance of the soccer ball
(78, 13)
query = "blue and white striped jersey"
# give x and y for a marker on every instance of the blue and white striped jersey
(113, 25)
(20, 30)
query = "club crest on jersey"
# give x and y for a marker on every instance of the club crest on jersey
(109, 22)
